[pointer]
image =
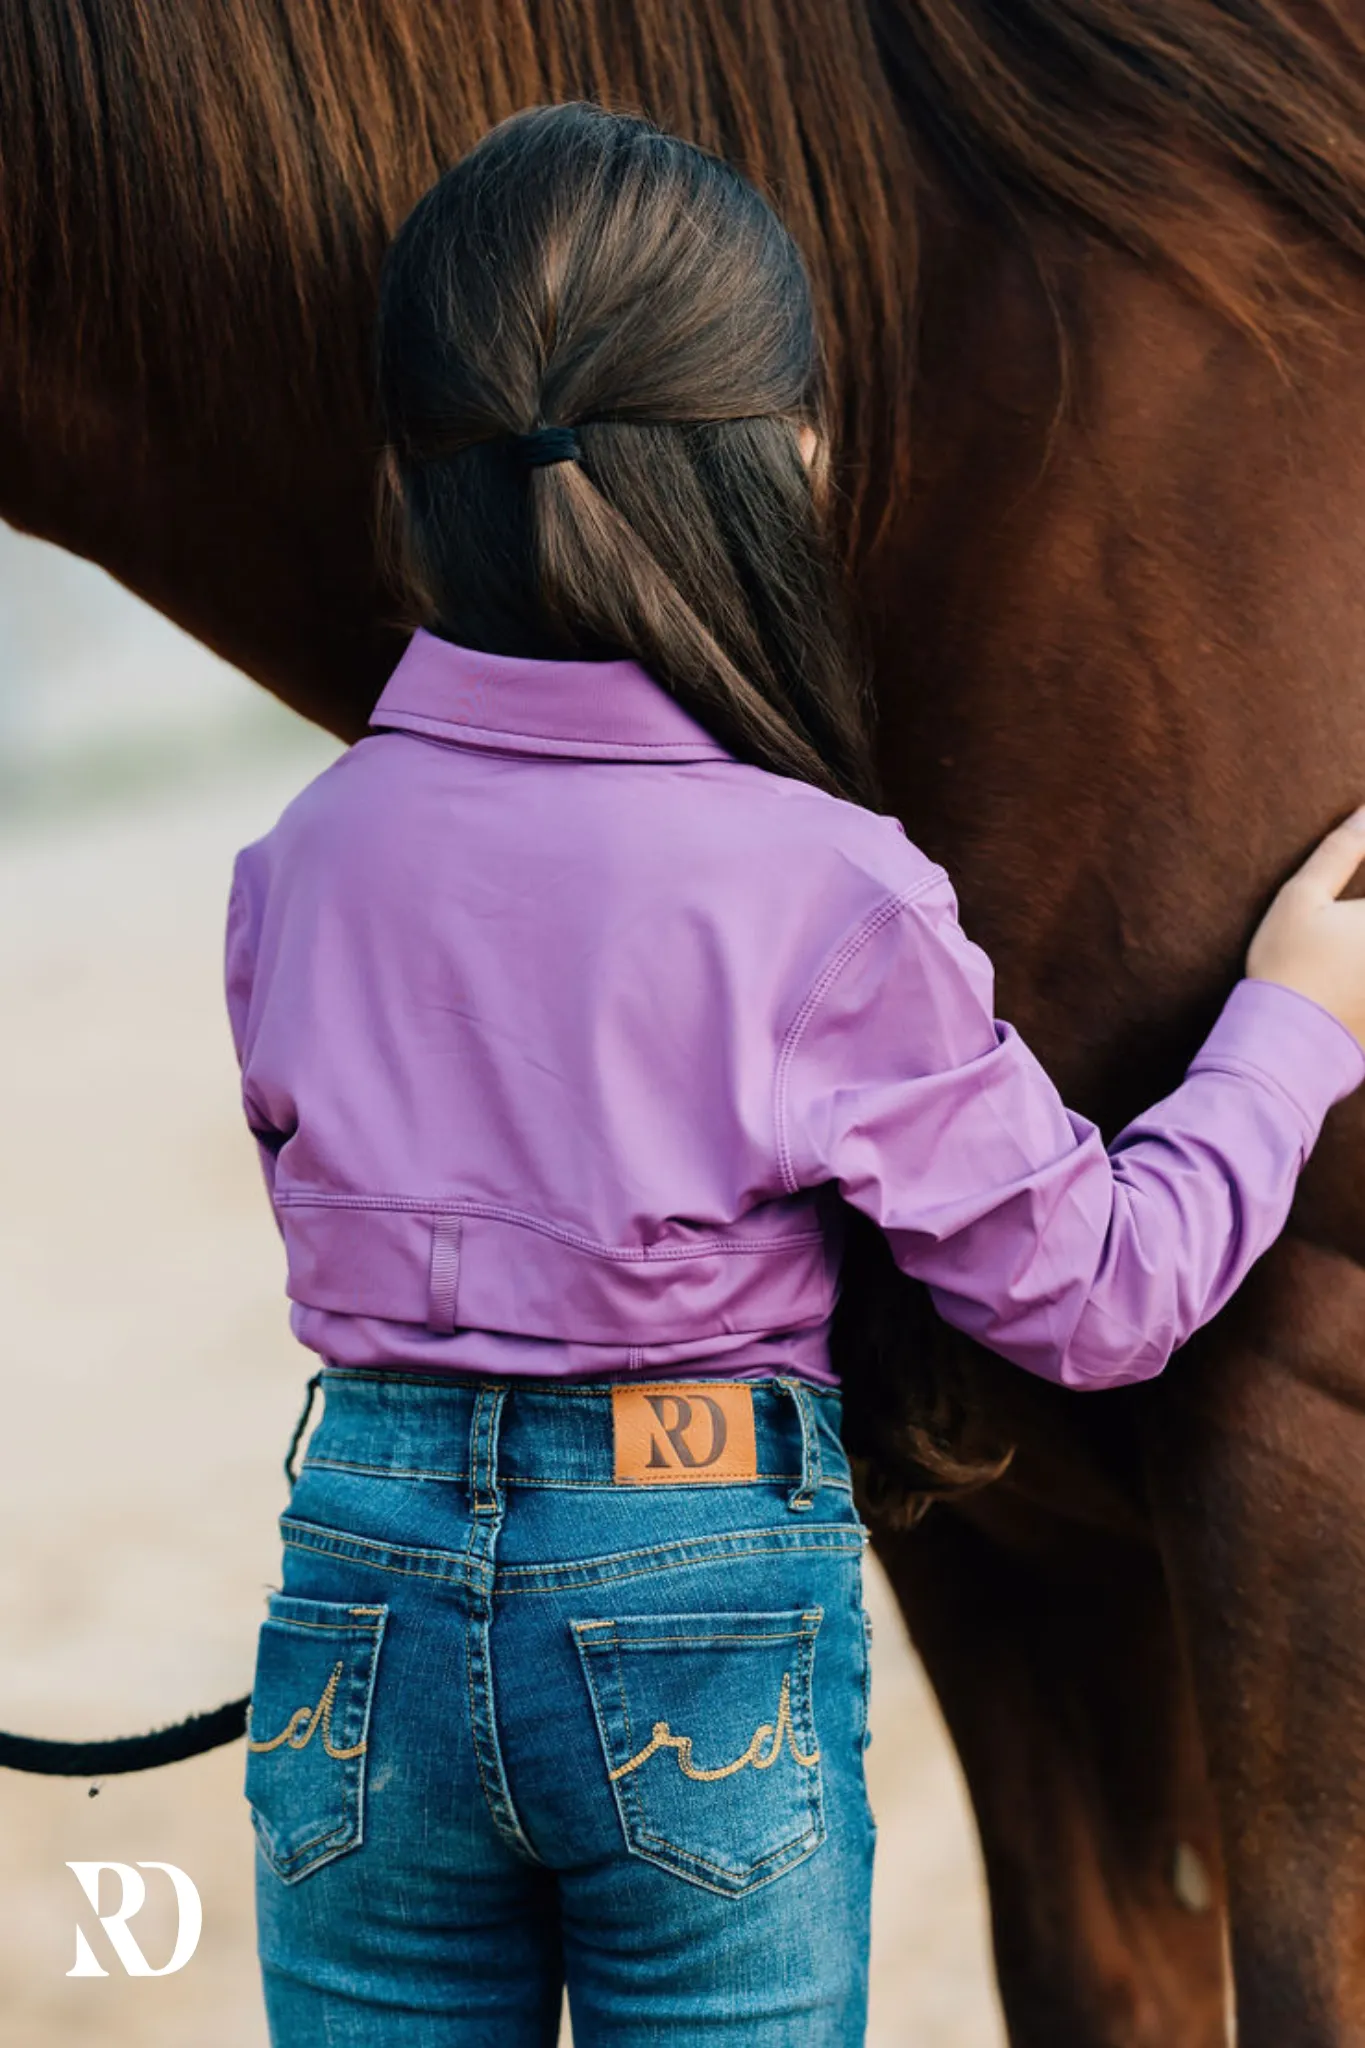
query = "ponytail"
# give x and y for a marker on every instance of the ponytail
(583, 269)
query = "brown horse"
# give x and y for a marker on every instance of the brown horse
(1091, 272)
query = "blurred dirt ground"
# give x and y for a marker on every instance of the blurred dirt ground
(149, 1387)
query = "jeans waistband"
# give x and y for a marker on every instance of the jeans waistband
(481, 1432)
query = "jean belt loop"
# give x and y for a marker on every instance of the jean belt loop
(484, 1497)
(803, 1495)
(299, 1427)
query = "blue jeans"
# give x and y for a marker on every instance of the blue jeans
(520, 1723)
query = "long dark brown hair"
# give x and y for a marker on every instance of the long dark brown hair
(582, 269)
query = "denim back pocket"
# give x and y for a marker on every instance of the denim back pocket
(308, 1732)
(708, 1733)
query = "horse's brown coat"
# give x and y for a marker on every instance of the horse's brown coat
(1117, 618)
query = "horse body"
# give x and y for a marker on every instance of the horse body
(1134, 641)
(1115, 608)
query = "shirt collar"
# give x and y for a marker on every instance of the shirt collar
(593, 710)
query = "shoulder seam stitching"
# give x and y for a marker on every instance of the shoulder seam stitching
(871, 923)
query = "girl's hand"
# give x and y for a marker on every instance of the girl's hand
(1310, 941)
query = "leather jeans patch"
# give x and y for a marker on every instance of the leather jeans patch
(675, 1432)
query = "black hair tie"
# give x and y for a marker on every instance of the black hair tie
(547, 445)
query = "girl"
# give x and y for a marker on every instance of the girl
(573, 1006)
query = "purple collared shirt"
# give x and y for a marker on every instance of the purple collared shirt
(566, 1037)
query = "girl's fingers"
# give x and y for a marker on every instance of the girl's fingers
(1331, 864)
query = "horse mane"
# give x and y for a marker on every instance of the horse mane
(170, 167)
(1149, 124)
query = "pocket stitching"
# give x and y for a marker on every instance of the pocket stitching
(342, 1628)
(367, 1624)
(790, 1635)
(319, 1720)
(626, 1792)
(791, 1851)
(782, 1733)
(303, 1847)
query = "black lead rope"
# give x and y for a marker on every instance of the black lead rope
(171, 1745)
(125, 1752)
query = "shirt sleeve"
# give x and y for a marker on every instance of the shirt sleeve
(239, 968)
(1084, 1265)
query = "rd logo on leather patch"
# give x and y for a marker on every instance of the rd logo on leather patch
(669, 1434)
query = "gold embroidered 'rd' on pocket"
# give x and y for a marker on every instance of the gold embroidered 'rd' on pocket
(708, 1735)
(308, 1733)
(675, 1433)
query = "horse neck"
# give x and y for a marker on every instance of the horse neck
(252, 531)
(1117, 631)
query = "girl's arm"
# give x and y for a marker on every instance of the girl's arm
(1083, 1265)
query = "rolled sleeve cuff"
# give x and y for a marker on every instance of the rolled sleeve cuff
(1288, 1040)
